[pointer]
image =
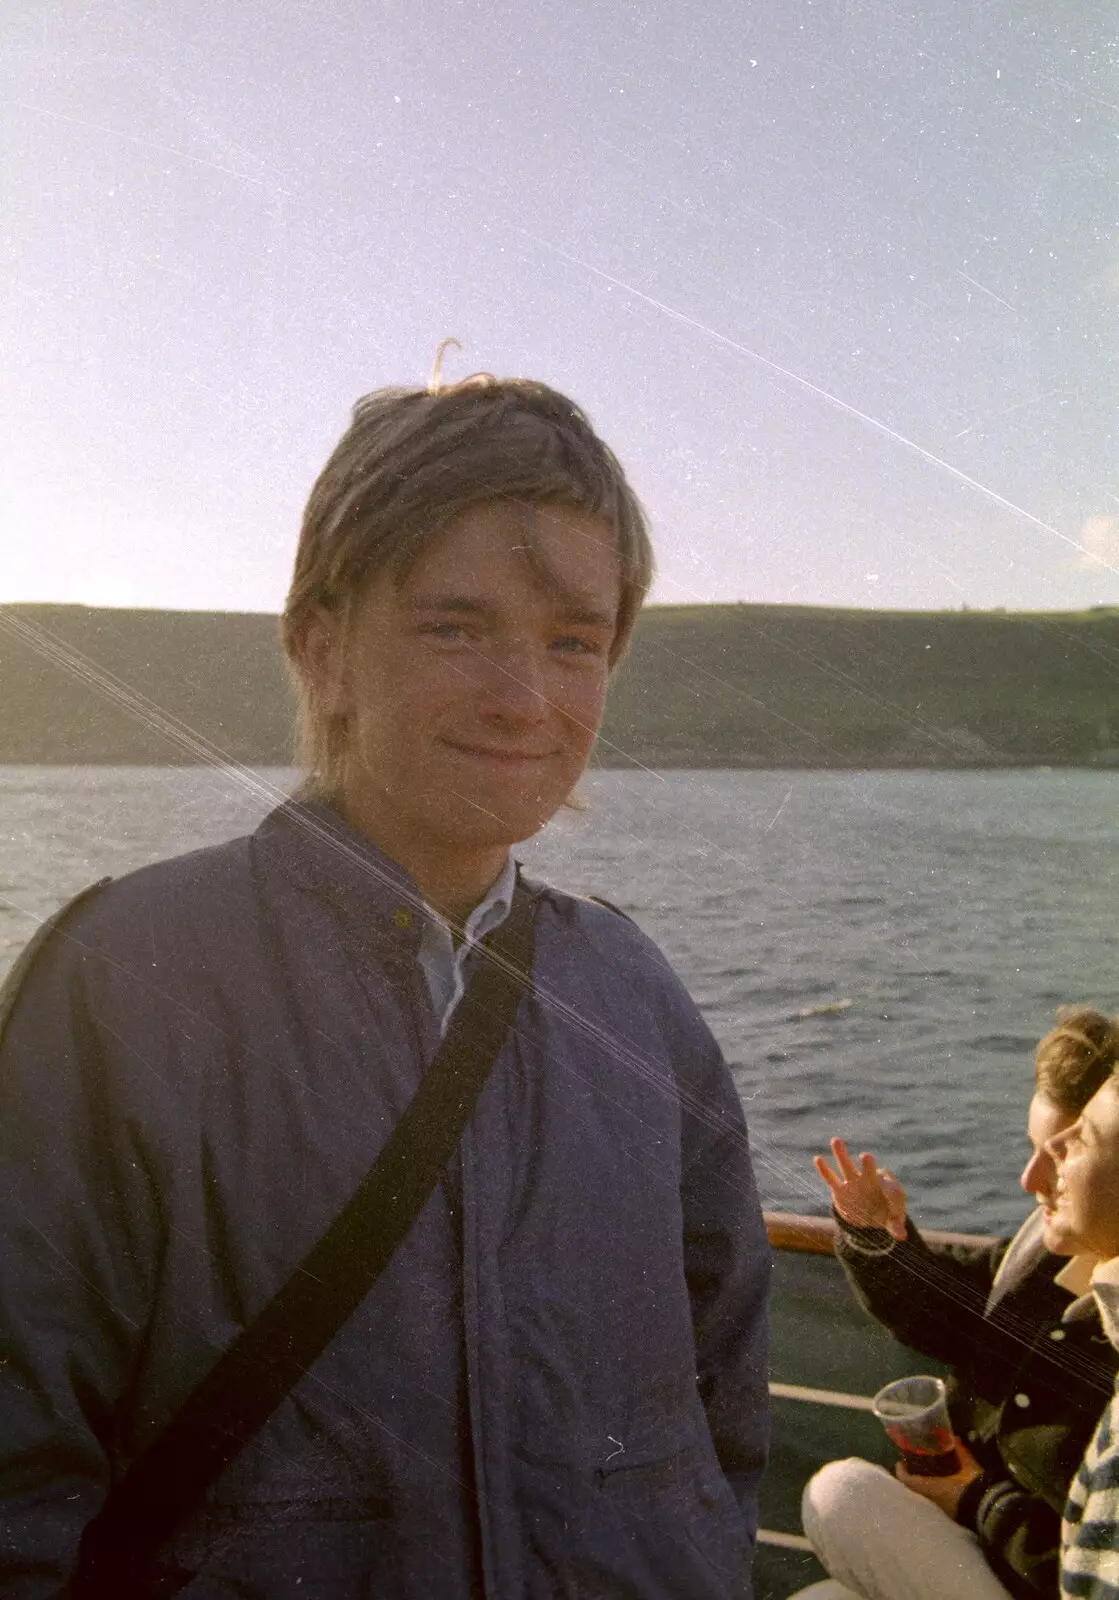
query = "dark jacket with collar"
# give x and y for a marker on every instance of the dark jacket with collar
(1032, 1370)
(559, 1385)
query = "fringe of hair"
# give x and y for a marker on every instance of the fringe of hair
(1076, 1057)
(411, 461)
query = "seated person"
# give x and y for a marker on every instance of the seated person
(1086, 1208)
(1032, 1369)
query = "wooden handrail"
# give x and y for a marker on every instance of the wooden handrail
(812, 1236)
(815, 1236)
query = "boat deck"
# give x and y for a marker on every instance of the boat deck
(828, 1358)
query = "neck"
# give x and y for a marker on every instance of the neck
(455, 891)
(452, 880)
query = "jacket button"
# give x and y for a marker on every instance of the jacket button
(1056, 1333)
(1022, 1400)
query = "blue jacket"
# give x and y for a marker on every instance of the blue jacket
(558, 1388)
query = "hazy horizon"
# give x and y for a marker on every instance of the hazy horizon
(651, 605)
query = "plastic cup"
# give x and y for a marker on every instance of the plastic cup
(914, 1413)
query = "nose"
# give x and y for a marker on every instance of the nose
(1039, 1175)
(514, 686)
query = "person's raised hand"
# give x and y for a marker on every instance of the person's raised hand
(864, 1195)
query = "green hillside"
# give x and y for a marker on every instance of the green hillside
(220, 674)
(807, 686)
(705, 686)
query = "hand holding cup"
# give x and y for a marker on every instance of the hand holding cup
(947, 1492)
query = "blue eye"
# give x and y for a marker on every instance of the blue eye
(450, 631)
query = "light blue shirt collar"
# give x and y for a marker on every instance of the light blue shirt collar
(444, 967)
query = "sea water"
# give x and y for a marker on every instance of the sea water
(876, 952)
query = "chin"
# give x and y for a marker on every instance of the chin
(1059, 1239)
(478, 825)
(502, 818)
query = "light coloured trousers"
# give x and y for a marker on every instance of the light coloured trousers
(880, 1541)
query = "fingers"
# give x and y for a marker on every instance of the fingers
(895, 1203)
(833, 1181)
(863, 1187)
(848, 1170)
(843, 1160)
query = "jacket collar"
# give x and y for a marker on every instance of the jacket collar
(1105, 1287)
(318, 850)
(1024, 1255)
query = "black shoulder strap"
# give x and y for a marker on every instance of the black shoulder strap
(169, 1479)
(17, 973)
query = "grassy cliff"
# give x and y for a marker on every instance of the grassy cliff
(705, 686)
(810, 686)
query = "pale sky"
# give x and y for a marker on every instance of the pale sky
(838, 279)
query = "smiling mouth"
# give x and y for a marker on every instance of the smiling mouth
(509, 758)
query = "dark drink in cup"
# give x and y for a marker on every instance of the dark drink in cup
(914, 1413)
(924, 1463)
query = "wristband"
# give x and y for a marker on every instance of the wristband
(866, 1241)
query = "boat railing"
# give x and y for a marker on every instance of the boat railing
(788, 1230)
(828, 1359)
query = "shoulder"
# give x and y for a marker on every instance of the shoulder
(588, 915)
(1099, 1470)
(56, 926)
(118, 924)
(586, 932)
(1105, 1288)
(202, 885)
(602, 954)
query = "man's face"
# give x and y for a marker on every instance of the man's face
(1039, 1176)
(1086, 1200)
(474, 686)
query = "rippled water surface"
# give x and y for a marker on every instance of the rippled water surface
(877, 952)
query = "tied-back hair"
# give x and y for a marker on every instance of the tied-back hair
(1076, 1057)
(411, 461)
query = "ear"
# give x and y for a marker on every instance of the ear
(322, 658)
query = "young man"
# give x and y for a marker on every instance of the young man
(558, 1386)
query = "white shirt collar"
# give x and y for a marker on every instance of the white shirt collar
(1076, 1274)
